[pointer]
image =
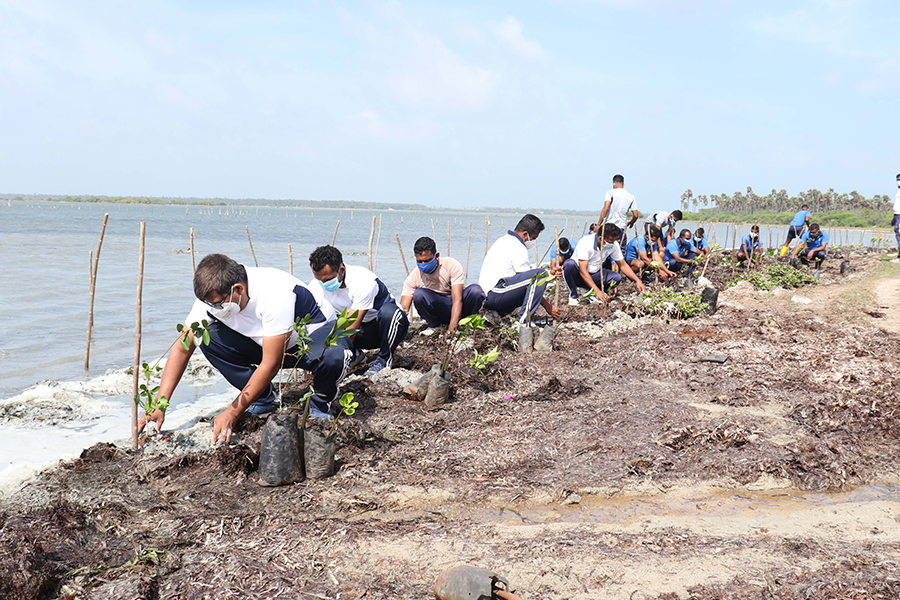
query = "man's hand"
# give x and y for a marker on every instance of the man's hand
(554, 312)
(809, 255)
(157, 416)
(556, 272)
(223, 425)
(640, 287)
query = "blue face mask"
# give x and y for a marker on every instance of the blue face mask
(428, 267)
(332, 285)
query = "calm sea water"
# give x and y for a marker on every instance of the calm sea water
(44, 272)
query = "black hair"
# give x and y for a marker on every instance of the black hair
(425, 244)
(755, 228)
(217, 273)
(564, 244)
(699, 232)
(684, 231)
(325, 255)
(898, 175)
(677, 214)
(611, 230)
(530, 224)
(655, 232)
(806, 206)
(619, 179)
(813, 226)
(592, 228)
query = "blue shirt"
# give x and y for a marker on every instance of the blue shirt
(701, 243)
(800, 218)
(566, 255)
(745, 241)
(813, 243)
(637, 245)
(681, 246)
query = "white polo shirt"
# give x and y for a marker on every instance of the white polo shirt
(897, 204)
(506, 257)
(270, 307)
(621, 205)
(586, 249)
(359, 294)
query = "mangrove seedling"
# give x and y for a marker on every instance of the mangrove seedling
(338, 331)
(538, 279)
(200, 330)
(481, 362)
(147, 398)
(348, 407)
(465, 325)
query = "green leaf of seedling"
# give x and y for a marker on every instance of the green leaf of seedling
(590, 293)
(180, 327)
(205, 337)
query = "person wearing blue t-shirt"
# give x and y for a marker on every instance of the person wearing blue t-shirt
(751, 248)
(701, 245)
(565, 253)
(679, 252)
(816, 242)
(643, 251)
(795, 229)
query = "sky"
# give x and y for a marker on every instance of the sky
(451, 104)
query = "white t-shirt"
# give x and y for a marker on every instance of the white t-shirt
(897, 204)
(621, 205)
(359, 293)
(586, 249)
(506, 257)
(660, 219)
(270, 308)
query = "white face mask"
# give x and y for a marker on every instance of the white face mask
(609, 246)
(227, 310)
(898, 183)
(531, 244)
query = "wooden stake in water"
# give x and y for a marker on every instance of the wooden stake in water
(87, 349)
(193, 264)
(448, 237)
(401, 253)
(136, 367)
(290, 260)
(377, 244)
(334, 237)
(256, 262)
(433, 234)
(468, 250)
(371, 239)
(485, 236)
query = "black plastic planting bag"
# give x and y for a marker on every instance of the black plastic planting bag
(526, 340)
(438, 389)
(281, 451)
(319, 452)
(544, 343)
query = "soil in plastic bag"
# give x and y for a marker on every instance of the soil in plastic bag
(419, 389)
(711, 297)
(319, 452)
(281, 451)
(438, 389)
(544, 342)
(526, 340)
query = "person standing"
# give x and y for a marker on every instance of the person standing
(895, 222)
(665, 221)
(795, 229)
(437, 288)
(616, 208)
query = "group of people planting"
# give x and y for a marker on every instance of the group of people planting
(251, 312)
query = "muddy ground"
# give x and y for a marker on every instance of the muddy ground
(617, 466)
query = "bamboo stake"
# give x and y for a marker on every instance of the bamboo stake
(584, 231)
(136, 368)
(469, 250)
(485, 236)
(558, 281)
(401, 253)
(87, 348)
(90, 268)
(448, 237)
(736, 249)
(550, 246)
(334, 237)
(377, 244)
(290, 260)
(193, 264)
(433, 234)
(371, 239)
(256, 262)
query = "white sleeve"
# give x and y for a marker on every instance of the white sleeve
(363, 297)
(520, 260)
(197, 314)
(616, 253)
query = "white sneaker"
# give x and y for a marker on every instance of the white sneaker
(895, 260)
(428, 331)
(593, 299)
(573, 301)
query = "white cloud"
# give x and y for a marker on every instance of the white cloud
(510, 31)
(436, 77)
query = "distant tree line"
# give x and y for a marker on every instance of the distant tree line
(780, 201)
